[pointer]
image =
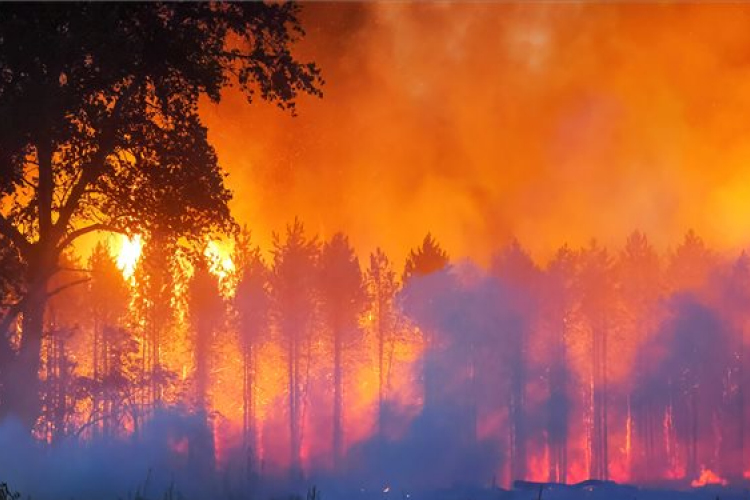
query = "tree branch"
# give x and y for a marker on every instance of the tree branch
(92, 170)
(11, 232)
(73, 270)
(10, 316)
(46, 188)
(64, 287)
(77, 233)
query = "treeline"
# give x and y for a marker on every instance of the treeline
(622, 364)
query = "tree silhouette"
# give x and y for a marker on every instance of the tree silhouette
(735, 298)
(252, 307)
(639, 274)
(60, 385)
(514, 267)
(689, 379)
(108, 301)
(294, 301)
(382, 288)
(559, 303)
(597, 290)
(342, 295)
(423, 265)
(155, 278)
(424, 260)
(95, 137)
(206, 314)
(690, 264)
(206, 310)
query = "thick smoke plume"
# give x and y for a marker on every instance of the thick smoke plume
(549, 122)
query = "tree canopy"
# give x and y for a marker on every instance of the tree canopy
(101, 128)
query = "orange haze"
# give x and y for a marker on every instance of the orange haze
(551, 122)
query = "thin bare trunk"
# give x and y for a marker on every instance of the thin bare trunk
(338, 398)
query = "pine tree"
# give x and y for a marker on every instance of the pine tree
(639, 274)
(559, 308)
(688, 272)
(294, 302)
(108, 301)
(382, 288)
(63, 321)
(206, 314)
(424, 263)
(597, 297)
(252, 308)
(342, 297)
(735, 298)
(425, 259)
(155, 284)
(514, 267)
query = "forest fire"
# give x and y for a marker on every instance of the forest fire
(387, 289)
(707, 477)
(128, 255)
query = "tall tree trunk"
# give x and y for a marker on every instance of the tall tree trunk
(108, 402)
(248, 410)
(294, 411)
(599, 453)
(605, 408)
(557, 429)
(6, 360)
(516, 406)
(338, 398)
(156, 382)
(381, 369)
(22, 385)
(21, 377)
(743, 372)
(693, 433)
(201, 367)
(58, 391)
(517, 433)
(96, 402)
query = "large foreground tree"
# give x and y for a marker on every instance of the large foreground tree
(101, 132)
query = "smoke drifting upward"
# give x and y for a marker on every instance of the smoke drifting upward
(548, 122)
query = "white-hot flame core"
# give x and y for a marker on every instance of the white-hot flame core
(128, 254)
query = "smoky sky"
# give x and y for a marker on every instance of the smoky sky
(550, 122)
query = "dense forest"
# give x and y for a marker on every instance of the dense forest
(144, 334)
(624, 364)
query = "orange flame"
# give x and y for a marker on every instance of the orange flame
(708, 477)
(128, 254)
(220, 263)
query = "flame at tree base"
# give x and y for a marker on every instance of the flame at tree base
(708, 477)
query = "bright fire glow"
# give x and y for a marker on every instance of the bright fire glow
(575, 143)
(128, 254)
(220, 262)
(708, 477)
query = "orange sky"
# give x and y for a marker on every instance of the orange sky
(551, 122)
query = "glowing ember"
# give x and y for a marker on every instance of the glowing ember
(128, 254)
(708, 477)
